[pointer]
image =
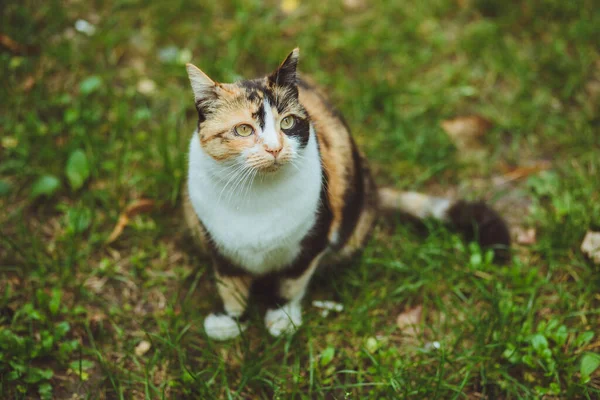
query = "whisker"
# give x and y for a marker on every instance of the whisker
(234, 176)
(243, 176)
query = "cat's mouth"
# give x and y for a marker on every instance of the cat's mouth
(271, 166)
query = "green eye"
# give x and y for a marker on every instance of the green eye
(288, 122)
(244, 130)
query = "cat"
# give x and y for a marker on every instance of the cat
(276, 185)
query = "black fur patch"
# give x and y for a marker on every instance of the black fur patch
(253, 95)
(353, 200)
(300, 130)
(479, 222)
(317, 240)
(282, 103)
(259, 116)
(285, 75)
(220, 262)
(202, 106)
(253, 85)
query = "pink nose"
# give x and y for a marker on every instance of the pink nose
(274, 152)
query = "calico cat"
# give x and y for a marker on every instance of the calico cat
(276, 185)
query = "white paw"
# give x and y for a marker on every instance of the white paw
(222, 327)
(284, 320)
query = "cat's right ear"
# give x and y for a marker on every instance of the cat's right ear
(203, 87)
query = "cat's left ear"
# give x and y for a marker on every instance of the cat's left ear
(203, 87)
(285, 75)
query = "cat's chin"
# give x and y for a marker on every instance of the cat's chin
(272, 168)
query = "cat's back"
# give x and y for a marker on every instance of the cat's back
(351, 190)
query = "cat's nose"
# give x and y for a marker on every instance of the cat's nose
(274, 152)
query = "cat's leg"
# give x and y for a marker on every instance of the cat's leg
(288, 317)
(228, 322)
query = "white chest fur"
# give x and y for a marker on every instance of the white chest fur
(259, 227)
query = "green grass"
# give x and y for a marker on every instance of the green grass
(80, 141)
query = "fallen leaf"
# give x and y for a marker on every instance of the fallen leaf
(95, 283)
(289, 6)
(524, 172)
(409, 320)
(137, 207)
(14, 46)
(354, 4)
(591, 246)
(142, 348)
(526, 236)
(28, 83)
(466, 131)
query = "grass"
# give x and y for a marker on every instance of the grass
(90, 123)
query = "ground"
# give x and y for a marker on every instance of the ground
(96, 113)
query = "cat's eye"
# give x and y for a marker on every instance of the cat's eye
(288, 122)
(244, 130)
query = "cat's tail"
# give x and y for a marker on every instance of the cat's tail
(476, 220)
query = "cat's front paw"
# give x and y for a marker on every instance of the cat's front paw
(222, 327)
(284, 320)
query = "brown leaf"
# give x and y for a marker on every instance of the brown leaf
(526, 236)
(524, 172)
(409, 321)
(466, 131)
(28, 83)
(137, 207)
(11, 45)
(14, 46)
(591, 246)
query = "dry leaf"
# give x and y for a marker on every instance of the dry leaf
(591, 246)
(466, 132)
(354, 4)
(409, 320)
(289, 6)
(95, 283)
(526, 236)
(524, 172)
(28, 83)
(137, 207)
(10, 44)
(15, 47)
(142, 348)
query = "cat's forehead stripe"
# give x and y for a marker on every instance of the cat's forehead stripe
(259, 115)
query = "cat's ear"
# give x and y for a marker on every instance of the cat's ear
(285, 75)
(203, 87)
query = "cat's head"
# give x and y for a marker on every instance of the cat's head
(258, 124)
